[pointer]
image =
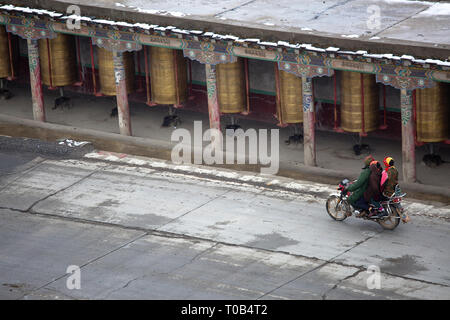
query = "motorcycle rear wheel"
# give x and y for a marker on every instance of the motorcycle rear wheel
(337, 210)
(391, 222)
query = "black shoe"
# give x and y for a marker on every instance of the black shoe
(361, 213)
(383, 214)
(375, 214)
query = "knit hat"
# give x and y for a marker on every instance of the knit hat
(388, 162)
(368, 160)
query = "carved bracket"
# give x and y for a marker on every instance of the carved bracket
(207, 55)
(307, 71)
(116, 45)
(404, 82)
(27, 29)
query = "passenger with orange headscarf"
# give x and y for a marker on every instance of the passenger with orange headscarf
(388, 183)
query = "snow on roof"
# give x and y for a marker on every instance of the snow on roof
(29, 10)
(436, 9)
(160, 12)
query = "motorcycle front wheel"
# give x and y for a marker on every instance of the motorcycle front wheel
(336, 208)
(391, 222)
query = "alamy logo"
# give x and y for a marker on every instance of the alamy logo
(374, 279)
(235, 151)
(73, 21)
(374, 21)
(74, 280)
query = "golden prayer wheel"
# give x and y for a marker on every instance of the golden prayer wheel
(432, 112)
(168, 76)
(358, 91)
(291, 98)
(231, 87)
(58, 56)
(5, 65)
(106, 71)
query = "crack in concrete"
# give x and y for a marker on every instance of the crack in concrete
(193, 209)
(22, 169)
(398, 22)
(54, 292)
(232, 9)
(161, 273)
(317, 267)
(329, 8)
(294, 279)
(356, 245)
(30, 209)
(324, 295)
(84, 265)
(122, 287)
(23, 173)
(194, 258)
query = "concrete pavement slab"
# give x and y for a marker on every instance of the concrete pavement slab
(159, 267)
(417, 250)
(434, 26)
(264, 222)
(35, 185)
(35, 251)
(391, 288)
(129, 196)
(315, 284)
(357, 18)
(14, 166)
(336, 16)
(152, 258)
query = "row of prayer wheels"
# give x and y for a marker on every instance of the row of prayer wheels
(360, 105)
(359, 92)
(5, 62)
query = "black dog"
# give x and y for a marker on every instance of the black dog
(5, 94)
(359, 148)
(171, 121)
(296, 138)
(62, 102)
(114, 112)
(433, 160)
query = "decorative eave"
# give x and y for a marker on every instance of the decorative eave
(228, 44)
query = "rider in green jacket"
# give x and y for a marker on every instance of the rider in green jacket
(359, 187)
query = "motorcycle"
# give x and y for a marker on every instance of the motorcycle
(388, 216)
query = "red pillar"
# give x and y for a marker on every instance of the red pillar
(123, 109)
(408, 147)
(309, 137)
(35, 80)
(213, 103)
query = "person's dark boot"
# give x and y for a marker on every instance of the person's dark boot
(376, 213)
(373, 213)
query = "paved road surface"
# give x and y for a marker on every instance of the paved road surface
(139, 232)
